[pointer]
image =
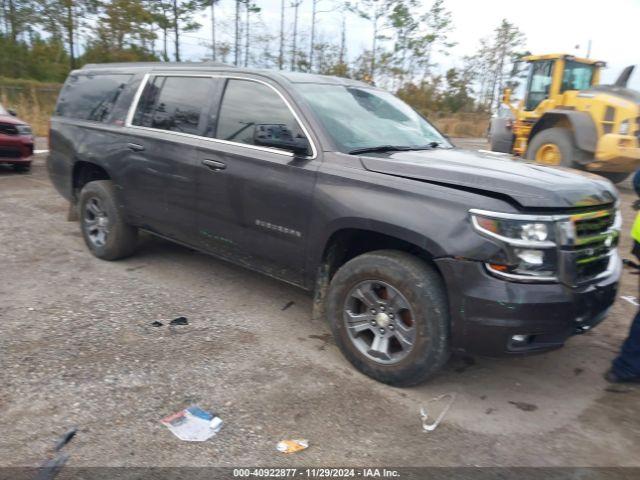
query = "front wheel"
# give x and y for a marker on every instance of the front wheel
(388, 313)
(555, 146)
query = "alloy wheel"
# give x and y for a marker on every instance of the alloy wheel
(96, 222)
(380, 322)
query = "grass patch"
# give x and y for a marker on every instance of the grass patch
(34, 101)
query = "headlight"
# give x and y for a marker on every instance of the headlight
(23, 129)
(526, 233)
(624, 127)
(528, 242)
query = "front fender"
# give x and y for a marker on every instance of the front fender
(434, 218)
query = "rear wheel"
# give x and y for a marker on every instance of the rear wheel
(500, 137)
(389, 316)
(103, 227)
(554, 147)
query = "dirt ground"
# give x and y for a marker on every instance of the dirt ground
(77, 349)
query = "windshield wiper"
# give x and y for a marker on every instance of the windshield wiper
(397, 148)
(386, 148)
(379, 148)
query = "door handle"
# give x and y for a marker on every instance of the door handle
(214, 165)
(135, 147)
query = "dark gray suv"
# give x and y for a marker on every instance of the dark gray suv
(412, 248)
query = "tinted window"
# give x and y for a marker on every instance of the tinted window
(246, 104)
(179, 104)
(90, 97)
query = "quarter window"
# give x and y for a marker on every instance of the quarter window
(247, 104)
(177, 104)
(90, 97)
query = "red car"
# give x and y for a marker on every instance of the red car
(16, 141)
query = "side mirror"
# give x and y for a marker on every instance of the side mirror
(12, 112)
(506, 96)
(279, 136)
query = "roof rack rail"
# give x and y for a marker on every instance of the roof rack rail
(206, 63)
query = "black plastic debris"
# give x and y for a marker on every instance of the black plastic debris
(51, 467)
(288, 305)
(179, 321)
(66, 438)
(156, 324)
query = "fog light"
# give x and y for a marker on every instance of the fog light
(532, 257)
(520, 338)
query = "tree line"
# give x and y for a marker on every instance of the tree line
(44, 39)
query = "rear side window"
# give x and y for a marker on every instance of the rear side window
(246, 104)
(177, 104)
(91, 97)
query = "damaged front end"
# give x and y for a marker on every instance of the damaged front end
(569, 249)
(552, 277)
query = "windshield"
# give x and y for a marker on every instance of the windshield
(361, 118)
(577, 76)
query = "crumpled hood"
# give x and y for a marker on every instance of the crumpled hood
(529, 185)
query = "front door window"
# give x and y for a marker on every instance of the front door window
(539, 83)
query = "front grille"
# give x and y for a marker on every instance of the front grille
(586, 227)
(589, 246)
(609, 119)
(609, 114)
(6, 152)
(8, 129)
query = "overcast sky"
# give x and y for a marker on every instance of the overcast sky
(549, 25)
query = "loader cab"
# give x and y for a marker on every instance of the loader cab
(551, 75)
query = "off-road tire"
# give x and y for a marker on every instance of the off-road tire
(424, 290)
(571, 155)
(500, 137)
(122, 238)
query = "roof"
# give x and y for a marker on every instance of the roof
(210, 66)
(566, 56)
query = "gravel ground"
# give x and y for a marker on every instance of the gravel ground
(78, 349)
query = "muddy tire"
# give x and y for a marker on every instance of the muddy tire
(388, 313)
(556, 141)
(103, 228)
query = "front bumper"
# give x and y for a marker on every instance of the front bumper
(616, 153)
(486, 312)
(16, 148)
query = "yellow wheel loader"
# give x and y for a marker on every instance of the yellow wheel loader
(566, 118)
